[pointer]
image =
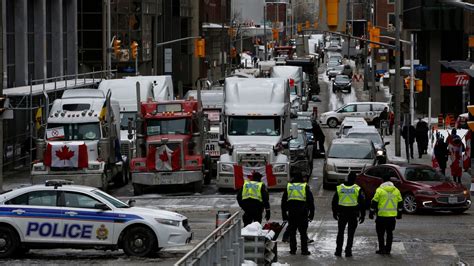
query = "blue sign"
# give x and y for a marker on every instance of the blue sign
(380, 71)
(421, 68)
(54, 230)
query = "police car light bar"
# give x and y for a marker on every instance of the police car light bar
(58, 182)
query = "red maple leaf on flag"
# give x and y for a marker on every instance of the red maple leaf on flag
(164, 156)
(64, 153)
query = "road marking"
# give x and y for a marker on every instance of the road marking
(443, 249)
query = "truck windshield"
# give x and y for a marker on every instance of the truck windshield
(168, 127)
(254, 126)
(124, 117)
(84, 131)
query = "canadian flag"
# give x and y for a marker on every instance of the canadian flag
(434, 162)
(467, 152)
(61, 155)
(163, 158)
(242, 173)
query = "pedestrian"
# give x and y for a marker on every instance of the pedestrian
(297, 207)
(456, 148)
(408, 134)
(387, 204)
(383, 116)
(441, 153)
(348, 208)
(391, 117)
(319, 137)
(450, 137)
(253, 199)
(421, 136)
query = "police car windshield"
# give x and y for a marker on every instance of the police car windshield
(117, 203)
(83, 131)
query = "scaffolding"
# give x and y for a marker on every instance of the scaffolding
(29, 113)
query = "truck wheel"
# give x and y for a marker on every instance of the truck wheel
(105, 183)
(139, 242)
(121, 178)
(197, 187)
(332, 122)
(9, 242)
(137, 189)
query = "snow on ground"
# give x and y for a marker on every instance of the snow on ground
(336, 100)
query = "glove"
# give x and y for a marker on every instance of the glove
(371, 215)
(361, 219)
(267, 215)
(399, 215)
(335, 216)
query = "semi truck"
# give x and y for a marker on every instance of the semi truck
(294, 74)
(255, 131)
(170, 140)
(81, 141)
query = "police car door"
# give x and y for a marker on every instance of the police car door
(86, 221)
(37, 215)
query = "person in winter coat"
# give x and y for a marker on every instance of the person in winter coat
(456, 148)
(319, 137)
(441, 153)
(253, 199)
(383, 116)
(408, 134)
(421, 136)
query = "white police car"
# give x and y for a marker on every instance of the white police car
(61, 215)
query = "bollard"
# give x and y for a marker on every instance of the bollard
(221, 217)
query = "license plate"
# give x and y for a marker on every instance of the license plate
(452, 200)
(166, 179)
(212, 148)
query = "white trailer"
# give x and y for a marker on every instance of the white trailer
(295, 76)
(255, 129)
(82, 141)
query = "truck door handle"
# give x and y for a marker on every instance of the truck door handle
(71, 213)
(18, 211)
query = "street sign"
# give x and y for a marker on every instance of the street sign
(415, 62)
(421, 68)
(383, 51)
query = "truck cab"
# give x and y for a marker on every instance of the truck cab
(170, 145)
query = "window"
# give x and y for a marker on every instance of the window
(378, 107)
(254, 126)
(391, 17)
(35, 198)
(78, 200)
(373, 172)
(348, 109)
(363, 108)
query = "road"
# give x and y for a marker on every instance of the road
(423, 239)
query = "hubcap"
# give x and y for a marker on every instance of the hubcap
(332, 123)
(410, 203)
(138, 243)
(3, 242)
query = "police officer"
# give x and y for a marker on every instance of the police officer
(297, 207)
(387, 202)
(253, 199)
(348, 204)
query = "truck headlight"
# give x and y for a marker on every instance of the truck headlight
(279, 168)
(167, 222)
(226, 167)
(380, 153)
(93, 167)
(39, 167)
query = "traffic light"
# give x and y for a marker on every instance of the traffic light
(200, 47)
(418, 85)
(299, 27)
(275, 34)
(117, 43)
(307, 24)
(332, 7)
(470, 123)
(134, 48)
(374, 34)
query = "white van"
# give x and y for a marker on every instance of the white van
(367, 110)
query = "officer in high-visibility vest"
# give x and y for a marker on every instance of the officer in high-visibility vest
(387, 203)
(297, 207)
(253, 199)
(348, 204)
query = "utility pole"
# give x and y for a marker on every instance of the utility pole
(265, 30)
(412, 78)
(109, 54)
(2, 71)
(366, 48)
(222, 39)
(397, 79)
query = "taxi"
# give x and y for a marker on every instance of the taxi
(59, 214)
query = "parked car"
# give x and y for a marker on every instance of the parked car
(348, 123)
(346, 155)
(421, 186)
(301, 155)
(304, 123)
(371, 133)
(334, 71)
(341, 83)
(367, 110)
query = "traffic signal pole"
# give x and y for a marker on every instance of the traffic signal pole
(397, 79)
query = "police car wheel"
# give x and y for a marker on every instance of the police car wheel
(9, 242)
(139, 242)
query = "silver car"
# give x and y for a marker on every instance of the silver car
(347, 155)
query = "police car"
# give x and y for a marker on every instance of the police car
(61, 215)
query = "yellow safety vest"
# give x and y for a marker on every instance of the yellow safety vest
(387, 202)
(296, 191)
(348, 195)
(252, 190)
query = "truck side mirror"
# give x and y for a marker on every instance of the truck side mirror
(294, 130)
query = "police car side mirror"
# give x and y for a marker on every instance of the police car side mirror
(131, 202)
(101, 206)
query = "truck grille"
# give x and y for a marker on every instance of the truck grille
(253, 159)
(346, 170)
(460, 199)
(125, 148)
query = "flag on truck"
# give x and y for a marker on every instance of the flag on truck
(242, 173)
(163, 158)
(64, 155)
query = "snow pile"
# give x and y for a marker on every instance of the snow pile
(249, 263)
(255, 229)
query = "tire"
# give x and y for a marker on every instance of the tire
(137, 189)
(121, 179)
(197, 187)
(332, 122)
(10, 241)
(409, 204)
(349, 90)
(139, 242)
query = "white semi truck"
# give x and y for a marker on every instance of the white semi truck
(294, 74)
(81, 141)
(255, 130)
